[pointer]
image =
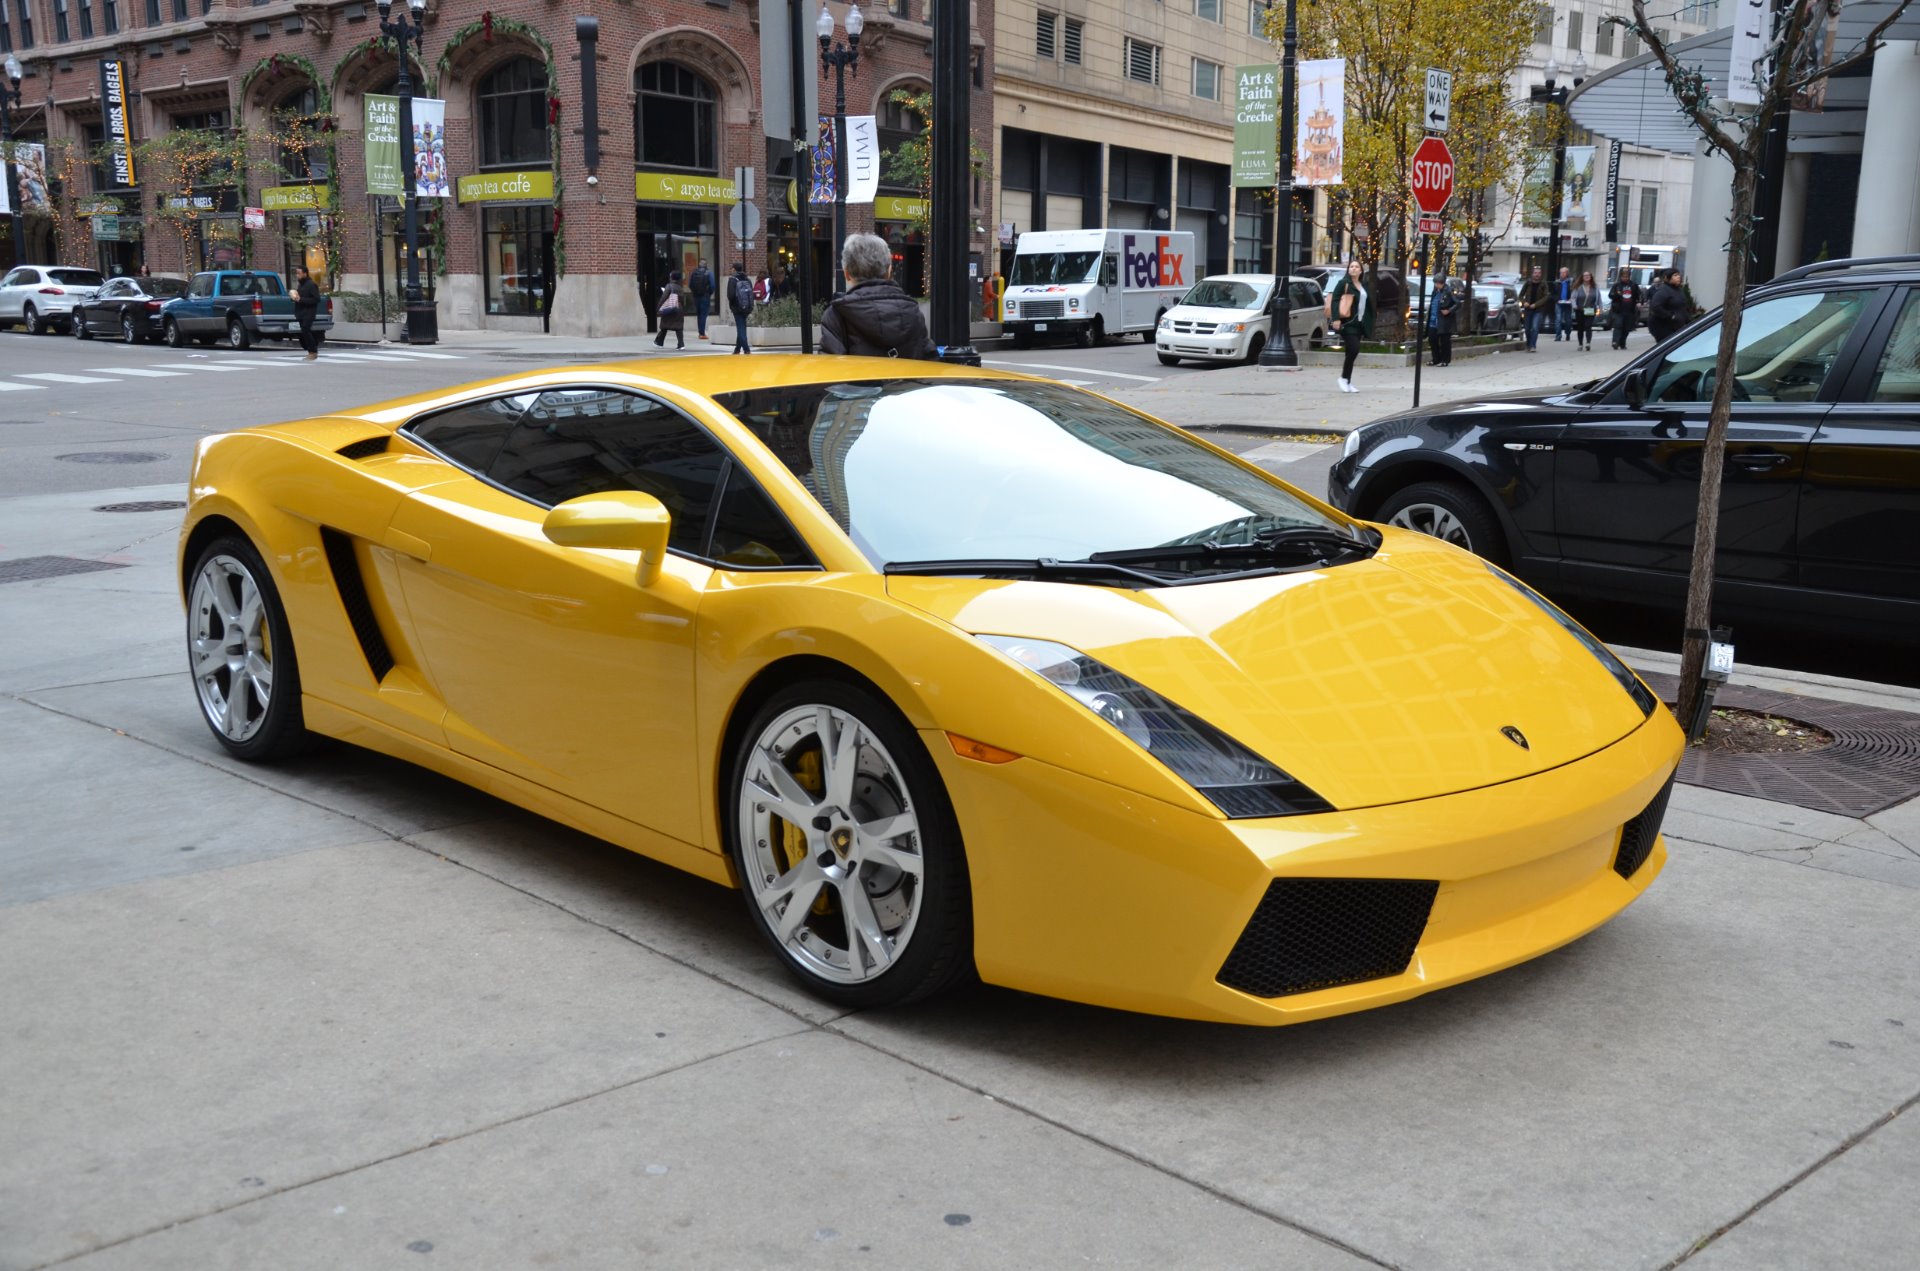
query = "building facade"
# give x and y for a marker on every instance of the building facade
(247, 125)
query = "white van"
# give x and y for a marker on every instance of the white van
(1093, 283)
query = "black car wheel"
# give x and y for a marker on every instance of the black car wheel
(80, 329)
(848, 853)
(1023, 339)
(1147, 336)
(237, 334)
(1449, 511)
(1168, 359)
(240, 652)
(126, 329)
(174, 336)
(1254, 346)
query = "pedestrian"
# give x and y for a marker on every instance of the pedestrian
(306, 306)
(763, 290)
(1625, 299)
(1666, 307)
(1446, 303)
(873, 318)
(1563, 306)
(740, 296)
(1350, 313)
(1534, 300)
(144, 271)
(701, 284)
(671, 312)
(1586, 306)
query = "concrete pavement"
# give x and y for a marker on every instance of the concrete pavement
(344, 1013)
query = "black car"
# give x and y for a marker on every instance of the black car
(127, 307)
(1592, 492)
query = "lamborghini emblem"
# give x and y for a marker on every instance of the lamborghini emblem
(1515, 736)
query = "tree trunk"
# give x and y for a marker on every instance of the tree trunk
(1713, 453)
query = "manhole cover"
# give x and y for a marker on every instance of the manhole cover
(28, 568)
(113, 456)
(150, 505)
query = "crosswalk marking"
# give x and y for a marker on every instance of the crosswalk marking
(439, 357)
(130, 370)
(362, 357)
(1282, 451)
(212, 366)
(6, 387)
(55, 377)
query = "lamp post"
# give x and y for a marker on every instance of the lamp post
(1278, 350)
(9, 98)
(423, 322)
(840, 57)
(1554, 94)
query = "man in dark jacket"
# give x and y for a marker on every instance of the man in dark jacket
(874, 318)
(700, 283)
(306, 306)
(1535, 300)
(740, 303)
(1625, 300)
(1666, 307)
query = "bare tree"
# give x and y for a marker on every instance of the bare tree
(1799, 57)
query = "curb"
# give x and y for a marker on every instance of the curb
(1802, 683)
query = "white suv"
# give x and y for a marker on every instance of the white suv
(39, 297)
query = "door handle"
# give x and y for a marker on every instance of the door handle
(1757, 460)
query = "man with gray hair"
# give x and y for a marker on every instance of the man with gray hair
(874, 318)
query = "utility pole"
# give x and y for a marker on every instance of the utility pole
(1279, 351)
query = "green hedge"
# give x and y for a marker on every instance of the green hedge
(784, 312)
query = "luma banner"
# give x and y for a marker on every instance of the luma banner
(383, 145)
(1256, 100)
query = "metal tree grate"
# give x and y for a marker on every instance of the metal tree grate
(29, 568)
(112, 456)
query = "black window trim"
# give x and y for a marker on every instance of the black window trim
(728, 463)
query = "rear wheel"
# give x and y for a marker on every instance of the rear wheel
(1449, 511)
(126, 329)
(175, 337)
(847, 850)
(35, 324)
(240, 651)
(237, 334)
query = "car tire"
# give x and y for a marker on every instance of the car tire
(127, 332)
(174, 336)
(1023, 339)
(1315, 340)
(1147, 336)
(1099, 331)
(910, 887)
(31, 319)
(1254, 345)
(1168, 359)
(238, 337)
(79, 323)
(1450, 511)
(240, 654)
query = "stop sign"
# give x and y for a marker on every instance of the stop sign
(1432, 175)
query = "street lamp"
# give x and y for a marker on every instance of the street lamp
(9, 98)
(1278, 350)
(840, 57)
(423, 322)
(1553, 94)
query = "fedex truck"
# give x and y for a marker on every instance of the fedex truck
(1092, 283)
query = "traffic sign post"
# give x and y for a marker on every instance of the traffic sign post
(1432, 183)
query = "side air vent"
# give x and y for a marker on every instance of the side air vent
(1316, 933)
(1637, 836)
(366, 448)
(353, 596)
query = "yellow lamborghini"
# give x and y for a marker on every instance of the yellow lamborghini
(949, 672)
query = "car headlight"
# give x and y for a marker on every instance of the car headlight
(1231, 777)
(1231, 328)
(1013, 307)
(1642, 695)
(1166, 323)
(1073, 303)
(1352, 445)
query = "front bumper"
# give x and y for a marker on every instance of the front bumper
(1047, 326)
(1223, 347)
(1095, 894)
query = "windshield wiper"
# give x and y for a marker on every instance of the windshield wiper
(1039, 567)
(1302, 541)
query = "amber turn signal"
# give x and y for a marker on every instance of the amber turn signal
(968, 748)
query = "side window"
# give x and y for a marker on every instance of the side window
(232, 285)
(1898, 378)
(588, 440)
(749, 531)
(202, 285)
(1109, 270)
(1787, 347)
(17, 278)
(471, 435)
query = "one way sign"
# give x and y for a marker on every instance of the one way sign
(1439, 101)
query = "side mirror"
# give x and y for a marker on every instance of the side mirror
(1637, 389)
(624, 520)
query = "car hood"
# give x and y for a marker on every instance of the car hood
(1375, 682)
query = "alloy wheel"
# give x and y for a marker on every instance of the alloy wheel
(830, 844)
(126, 327)
(231, 647)
(1433, 520)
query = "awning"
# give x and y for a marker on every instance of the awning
(1629, 100)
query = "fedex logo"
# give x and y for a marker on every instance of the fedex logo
(1151, 264)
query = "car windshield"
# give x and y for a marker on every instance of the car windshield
(1492, 294)
(946, 469)
(76, 277)
(1054, 267)
(164, 286)
(1227, 293)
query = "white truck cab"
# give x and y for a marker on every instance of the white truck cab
(1093, 283)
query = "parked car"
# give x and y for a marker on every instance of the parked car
(41, 297)
(900, 650)
(1502, 278)
(1225, 319)
(1472, 323)
(1501, 315)
(128, 308)
(241, 304)
(1592, 492)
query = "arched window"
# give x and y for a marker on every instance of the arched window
(513, 116)
(674, 118)
(302, 146)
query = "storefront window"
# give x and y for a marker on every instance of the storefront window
(513, 116)
(519, 245)
(674, 118)
(676, 238)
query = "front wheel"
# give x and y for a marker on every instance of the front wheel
(240, 652)
(1168, 359)
(35, 324)
(1254, 345)
(847, 850)
(237, 335)
(80, 329)
(1023, 339)
(175, 337)
(1449, 511)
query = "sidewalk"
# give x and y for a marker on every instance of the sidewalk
(344, 1013)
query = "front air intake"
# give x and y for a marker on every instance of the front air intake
(1637, 836)
(1317, 933)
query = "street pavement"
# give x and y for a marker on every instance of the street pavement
(344, 1013)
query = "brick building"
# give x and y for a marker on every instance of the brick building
(282, 86)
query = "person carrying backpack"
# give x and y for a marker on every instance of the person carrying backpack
(740, 302)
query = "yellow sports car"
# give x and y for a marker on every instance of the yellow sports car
(950, 672)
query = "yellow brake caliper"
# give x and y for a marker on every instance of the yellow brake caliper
(793, 838)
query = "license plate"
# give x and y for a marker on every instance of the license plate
(1039, 326)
